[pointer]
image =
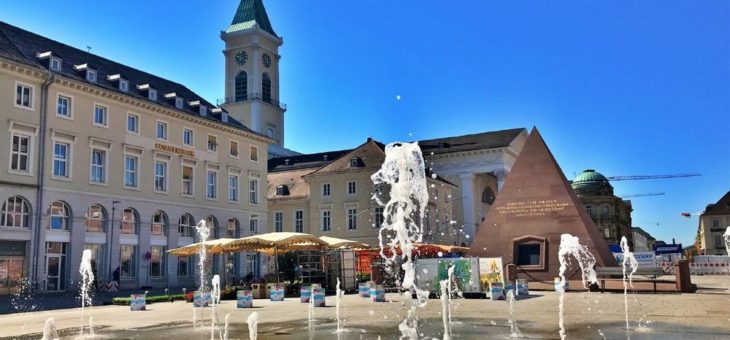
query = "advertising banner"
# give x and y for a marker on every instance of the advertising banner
(137, 302)
(645, 259)
(202, 300)
(490, 271)
(244, 299)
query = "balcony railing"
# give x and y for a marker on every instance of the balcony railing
(252, 96)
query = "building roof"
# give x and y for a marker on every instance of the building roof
(477, 141)
(251, 13)
(297, 187)
(308, 161)
(23, 46)
(643, 232)
(591, 182)
(722, 207)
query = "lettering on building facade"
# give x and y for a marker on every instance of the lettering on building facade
(531, 208)
(175, 149)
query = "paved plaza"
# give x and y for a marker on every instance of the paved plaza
(705, 314)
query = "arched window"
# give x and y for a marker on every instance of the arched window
(159, 223)
(15, 212)
(241, 86)
(95, 219)
(488, 196)
(59, 216)
(186, 225)
(130, 218)
(266, 87)
(232, 228)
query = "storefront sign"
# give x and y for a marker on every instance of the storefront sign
(174, 149)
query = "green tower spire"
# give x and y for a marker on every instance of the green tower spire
(248, 14)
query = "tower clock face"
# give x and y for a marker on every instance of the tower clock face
(241, 57)
(267, 60)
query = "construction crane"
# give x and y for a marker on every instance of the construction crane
(641, 177)
(644, 194)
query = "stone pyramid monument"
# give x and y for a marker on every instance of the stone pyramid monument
(535, 206)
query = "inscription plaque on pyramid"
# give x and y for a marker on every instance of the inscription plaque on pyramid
(535, 206)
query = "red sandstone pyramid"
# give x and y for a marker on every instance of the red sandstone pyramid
(535, 206)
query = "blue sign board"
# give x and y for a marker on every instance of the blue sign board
(668, 249)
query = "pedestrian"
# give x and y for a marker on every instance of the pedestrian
(116, 275)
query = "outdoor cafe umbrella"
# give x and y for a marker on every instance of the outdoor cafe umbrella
(216, 246)
(338, 243)
(275, 243)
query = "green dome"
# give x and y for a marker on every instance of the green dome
(591, 182)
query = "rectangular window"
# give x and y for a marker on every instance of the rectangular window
(212, 143)
(132, 123)
(131, 164)
(254, 154)
(158, 224)
(128, 261)
(97, 257)
(63, 106)
(299, 221)
(528, 254)
(716, 223)
(100, 116)
(129, 222)
(326, 190)
(188, 137)
(98, 166)
(351, 188)
(187, 180)
(161, 131)
(253, 225)
(152, 95)
(179, 103)
(24, 96)
(20, 153)
(123, 85)
(351, 219)
(55, 64)
(157, 261)
(326, 220)
(61, 154)
(91, 75)
(278, 221)
(233, 188)
(380, 218)
(253, 191)
(185, 266)
(212, 185)
(719, 242)
(233, 149)
(160, 176)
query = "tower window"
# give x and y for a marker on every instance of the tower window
(241, 86)
(266, 87)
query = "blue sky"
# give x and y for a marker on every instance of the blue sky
(630, 88)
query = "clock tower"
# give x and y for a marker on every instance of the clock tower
(252, 72)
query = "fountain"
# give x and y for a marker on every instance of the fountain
(203, 233)
(215, 295)
(445, 312)
(311, 310)
(225, 327)
(403, 171)
(337, 306)
(87, 279)
(726, 236)
(514, 331)
(252, 322)
(630, 261)
(49, 330)
(570, 245)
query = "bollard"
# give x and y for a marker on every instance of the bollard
(682, 275)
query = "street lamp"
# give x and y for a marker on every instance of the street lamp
(111, 238)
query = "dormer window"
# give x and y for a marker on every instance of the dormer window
(179, 103)
(123, 85)
(356, 162)
(203, 110)
(282, 190)
(86, 71)
(91, 75)
(55, 64)
(152, 94)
